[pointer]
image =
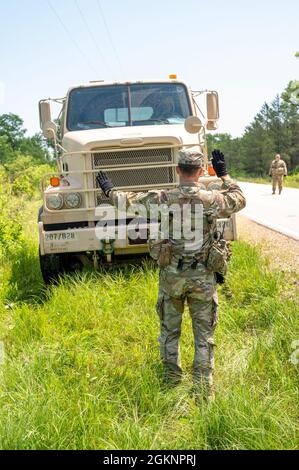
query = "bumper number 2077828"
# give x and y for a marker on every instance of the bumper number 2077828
(59, 236)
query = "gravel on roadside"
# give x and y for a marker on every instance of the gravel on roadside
(282, 251)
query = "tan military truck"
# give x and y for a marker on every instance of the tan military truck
(132, 130)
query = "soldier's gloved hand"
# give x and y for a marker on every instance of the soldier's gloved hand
(218, 163)
(104, 182)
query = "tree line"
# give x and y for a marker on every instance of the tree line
(275, 129)
(14, 142)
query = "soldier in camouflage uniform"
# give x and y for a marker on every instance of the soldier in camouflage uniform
(186, 277)
(278, 170)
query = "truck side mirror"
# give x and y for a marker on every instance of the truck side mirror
(193, 124)
(48, 127)
(212, 110)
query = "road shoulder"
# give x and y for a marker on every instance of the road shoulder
(282, 251)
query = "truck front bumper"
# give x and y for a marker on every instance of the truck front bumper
(83, 239)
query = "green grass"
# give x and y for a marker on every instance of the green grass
(290, 181)
(82, 369)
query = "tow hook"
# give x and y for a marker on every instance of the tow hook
(108, 248)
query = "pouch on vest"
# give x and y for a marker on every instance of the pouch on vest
(161, 251)
(219, 254)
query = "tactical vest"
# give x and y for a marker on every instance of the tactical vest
(278, 168)
(182, 202)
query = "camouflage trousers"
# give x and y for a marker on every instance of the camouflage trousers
(277, 180)
(197, 288)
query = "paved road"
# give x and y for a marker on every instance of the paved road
(280, 213)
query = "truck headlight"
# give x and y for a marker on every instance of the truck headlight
(73, 200)
(54, 201)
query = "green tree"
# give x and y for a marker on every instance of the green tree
(11, 127)
(6, 152)
(230, 147)
(290, 112)
(257, 144)
(274, 129)
(36, 147)
(14, 142)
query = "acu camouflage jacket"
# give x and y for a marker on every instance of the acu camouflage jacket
(214, 204)
(278, 168)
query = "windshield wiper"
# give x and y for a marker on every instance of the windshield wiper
(95, 122)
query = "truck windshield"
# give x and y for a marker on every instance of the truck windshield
(127, 105)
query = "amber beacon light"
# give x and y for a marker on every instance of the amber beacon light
(211, 170)
(54, 181)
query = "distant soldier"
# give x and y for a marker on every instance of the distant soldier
(184, 275)
(278, 170)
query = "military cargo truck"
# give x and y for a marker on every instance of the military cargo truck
(132, 130)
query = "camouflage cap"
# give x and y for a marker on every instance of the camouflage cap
(191, 157)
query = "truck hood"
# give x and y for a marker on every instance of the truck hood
(122, 137)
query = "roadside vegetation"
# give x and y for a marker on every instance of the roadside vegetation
(23, 161)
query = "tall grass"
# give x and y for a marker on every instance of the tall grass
(81, 367)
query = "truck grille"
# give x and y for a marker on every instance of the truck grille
(140, 176)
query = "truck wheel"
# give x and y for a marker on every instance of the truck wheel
(40, 211)
(51, 267)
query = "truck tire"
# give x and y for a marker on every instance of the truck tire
(56, 264)
(40, 211)
(50, 266)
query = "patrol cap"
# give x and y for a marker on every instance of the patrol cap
(191, 157)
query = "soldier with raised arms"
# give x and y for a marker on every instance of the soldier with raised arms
(189, 271)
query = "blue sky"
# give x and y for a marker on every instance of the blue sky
(243, 49)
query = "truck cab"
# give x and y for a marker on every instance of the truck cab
(131, 130)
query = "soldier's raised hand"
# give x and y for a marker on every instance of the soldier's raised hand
(218, 162)
(104, 182)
